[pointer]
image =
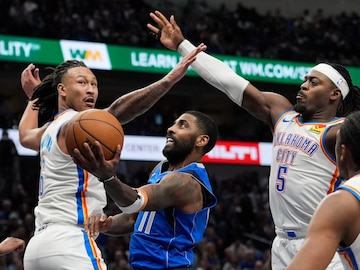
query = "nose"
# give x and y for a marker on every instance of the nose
(170, 129)
(91, 89)
(304, 85)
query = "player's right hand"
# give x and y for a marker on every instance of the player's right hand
(98, 223)
(168, 31)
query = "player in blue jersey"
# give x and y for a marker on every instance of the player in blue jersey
(171, 212)
(335, 225)
(303, 168)
(69, 194)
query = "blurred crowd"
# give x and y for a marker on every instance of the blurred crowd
(310, 36)
(240, 229)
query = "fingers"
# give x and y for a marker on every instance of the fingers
(91, 224)
(158, 18)
(172, 21)
(152, 28)
(161, 17)
(191, 57)
(97, 223)
(37, 74)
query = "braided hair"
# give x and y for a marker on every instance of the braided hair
(352, 100)
(46, 92)
(350, 135)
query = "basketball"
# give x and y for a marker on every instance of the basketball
(95, 125)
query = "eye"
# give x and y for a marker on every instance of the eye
(313, 82)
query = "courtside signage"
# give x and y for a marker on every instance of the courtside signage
(36, 50)
(94, 55)
(136, 59)
(149, 148)
(233, 152)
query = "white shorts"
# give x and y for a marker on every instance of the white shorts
(64, 247)
(284, 250)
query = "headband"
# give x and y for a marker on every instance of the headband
(334, 76)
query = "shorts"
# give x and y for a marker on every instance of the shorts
(65, 247)
(284, 250)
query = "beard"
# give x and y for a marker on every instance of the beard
(299, 108)
(178, 151)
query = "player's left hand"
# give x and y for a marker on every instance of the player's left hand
(93, 160)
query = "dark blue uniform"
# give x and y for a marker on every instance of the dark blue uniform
(165, 239)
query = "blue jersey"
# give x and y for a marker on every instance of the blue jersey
(166, 238)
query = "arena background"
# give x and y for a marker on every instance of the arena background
(189, 93)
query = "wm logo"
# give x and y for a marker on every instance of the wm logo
(94, 55)
(86, 54)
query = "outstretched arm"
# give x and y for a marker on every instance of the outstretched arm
(135, 103)
(264, 106)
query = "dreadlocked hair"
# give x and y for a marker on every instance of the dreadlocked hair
(46, 92)
(352, 100)
(350, 135)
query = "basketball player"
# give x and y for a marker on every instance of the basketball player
(172, 210)
(68, 195)
(303, 169)
(10, 244)
(335, 225)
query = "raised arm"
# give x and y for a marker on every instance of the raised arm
(135, 103)
(29, 132)
(264, 106)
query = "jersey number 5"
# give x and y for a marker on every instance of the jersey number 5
(280, 179)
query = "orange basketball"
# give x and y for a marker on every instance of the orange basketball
(95, 125)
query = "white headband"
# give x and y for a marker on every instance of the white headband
(334, 76)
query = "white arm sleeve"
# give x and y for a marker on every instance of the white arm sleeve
(216, 73)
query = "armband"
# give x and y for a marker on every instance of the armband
(138, 205)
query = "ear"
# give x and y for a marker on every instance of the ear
(335, 94)
(343, 152)
(202, 140)
(61, 89)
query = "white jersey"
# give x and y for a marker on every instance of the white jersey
(67, 193)
(350, 256)
(302, 173)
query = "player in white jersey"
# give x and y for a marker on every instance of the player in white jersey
(68, 194)
(326, 94)
(335, 225)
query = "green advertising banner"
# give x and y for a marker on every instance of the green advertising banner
(111, 57)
